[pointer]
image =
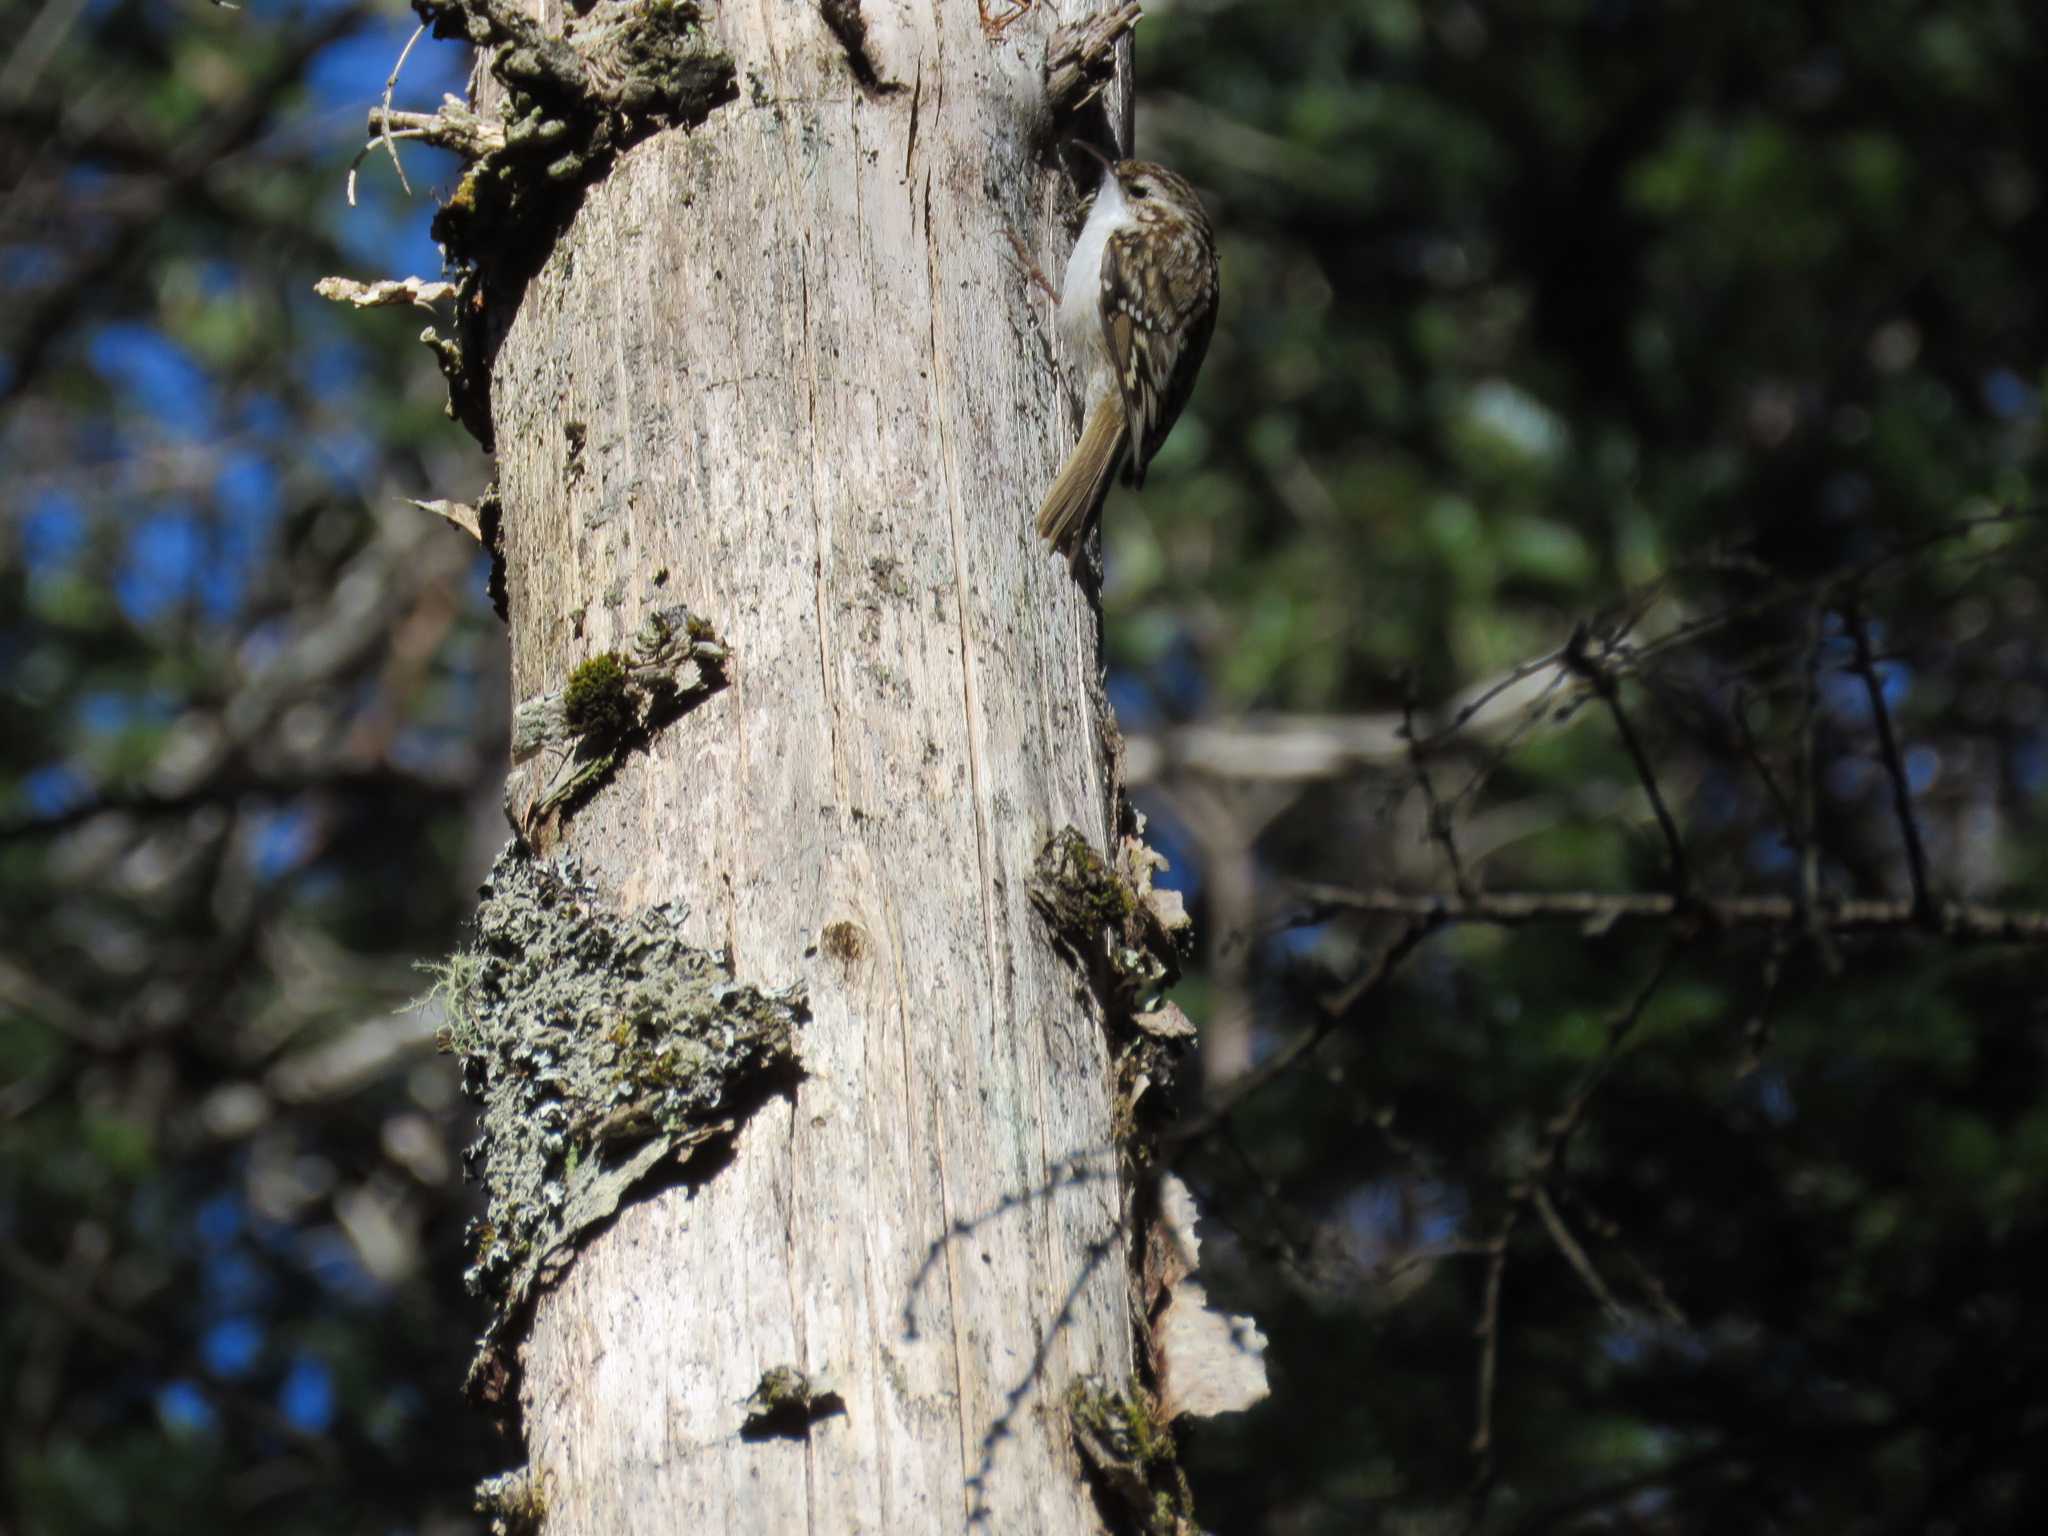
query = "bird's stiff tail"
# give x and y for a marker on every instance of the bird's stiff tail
(1078, 492)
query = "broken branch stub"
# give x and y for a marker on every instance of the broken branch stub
(567, 743)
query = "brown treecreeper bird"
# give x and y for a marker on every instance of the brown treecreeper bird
(1137, 307)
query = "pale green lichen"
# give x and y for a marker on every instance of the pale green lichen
(1132, 1455)
(600, 1047)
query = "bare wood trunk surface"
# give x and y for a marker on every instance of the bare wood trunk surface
(816, 403)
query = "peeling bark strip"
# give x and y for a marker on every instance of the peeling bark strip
(1081, 60)
(602, 1050)
(416, 291)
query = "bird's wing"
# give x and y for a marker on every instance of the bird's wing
(1156, 320)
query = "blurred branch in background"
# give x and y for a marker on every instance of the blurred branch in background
(250, 697)
(152, 196)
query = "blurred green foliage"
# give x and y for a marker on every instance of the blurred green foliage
(1705, 325)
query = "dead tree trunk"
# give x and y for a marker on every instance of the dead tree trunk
(783, 369)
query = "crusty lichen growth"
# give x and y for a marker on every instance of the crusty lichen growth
(1130, 937)
(1132, 1455)
(573, 102)
(600, 1047)
(1110, 913)
(513, 1502)
(1075, 886)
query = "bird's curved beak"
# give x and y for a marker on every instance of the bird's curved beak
(1091, 152)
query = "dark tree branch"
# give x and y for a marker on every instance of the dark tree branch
(1597, 911)
(1579, 658)
(1530, 1193)
(1865, 667)
(1336, 1011)
(1442, 829)
(1809, 795)
(1488, 1333)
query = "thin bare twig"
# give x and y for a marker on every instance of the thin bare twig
(1566, 1123)
(390, 85)
(1488, 1332)
(1441, 830)
(1756, 1030)
(993, 26)
(1302, 748)
(1531, 1194)
(1032, 270)
(1865, 667)
(1576, 1257)
(1809, 795)
(1519, 673)
(1752, 749)
(1595, 672)
(1691, 630)
(1534, 713)
(1335, 1009)
(1609, 1232)
(383, 120)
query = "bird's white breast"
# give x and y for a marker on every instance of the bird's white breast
(1081, 292)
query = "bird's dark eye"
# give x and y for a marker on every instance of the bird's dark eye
(1139, 189)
